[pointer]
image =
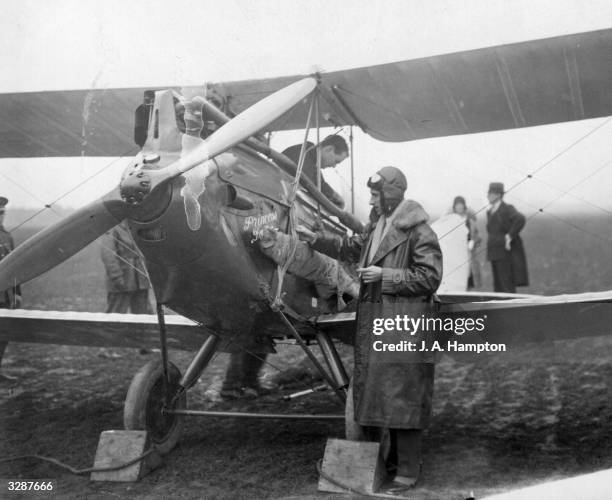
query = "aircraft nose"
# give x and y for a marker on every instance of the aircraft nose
(135, 187)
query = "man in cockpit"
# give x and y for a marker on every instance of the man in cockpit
(334, 150)
(242, 375)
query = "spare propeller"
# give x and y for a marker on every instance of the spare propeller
(58, 242)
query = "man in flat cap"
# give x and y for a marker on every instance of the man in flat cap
(400, 267)
(11, 298)
(504, 246)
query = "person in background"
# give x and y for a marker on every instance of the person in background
(460, 208)
(504, 245)
(11, 298)
(127, 283)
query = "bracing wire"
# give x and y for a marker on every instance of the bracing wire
(542, 166)
(49, 206)
(74, 188)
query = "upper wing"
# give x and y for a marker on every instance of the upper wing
(68, 123)
(517, 85)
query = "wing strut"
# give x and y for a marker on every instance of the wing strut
(347, 219)
(337, 386)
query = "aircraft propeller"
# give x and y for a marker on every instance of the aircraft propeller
(58, 242)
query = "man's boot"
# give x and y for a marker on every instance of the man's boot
(404, 458)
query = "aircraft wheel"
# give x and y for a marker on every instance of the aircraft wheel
(144, 402)
(352, 430)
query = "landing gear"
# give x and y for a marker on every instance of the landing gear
(145, 405)
(158, 393)
(156, 400)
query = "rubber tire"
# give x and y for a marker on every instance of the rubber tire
(143, 403)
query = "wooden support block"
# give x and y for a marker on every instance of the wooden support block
(355, 464)
(119, 447)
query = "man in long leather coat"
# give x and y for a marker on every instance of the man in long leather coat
(400, 262)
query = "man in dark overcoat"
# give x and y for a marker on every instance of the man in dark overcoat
(504, 245)
(401, 264)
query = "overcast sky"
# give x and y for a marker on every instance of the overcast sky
(83, 44)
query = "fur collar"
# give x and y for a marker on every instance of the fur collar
(408, 214)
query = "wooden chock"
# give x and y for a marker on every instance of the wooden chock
(120, 447)
(351, 465)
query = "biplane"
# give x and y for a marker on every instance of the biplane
(205, 184)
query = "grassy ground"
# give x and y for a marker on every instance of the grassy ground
(537, 413)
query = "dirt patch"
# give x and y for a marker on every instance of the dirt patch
(533, 414)
(537, 414)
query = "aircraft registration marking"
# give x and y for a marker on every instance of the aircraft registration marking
(256, 224)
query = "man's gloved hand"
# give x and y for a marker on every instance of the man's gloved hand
(17, 301)
(471, 245)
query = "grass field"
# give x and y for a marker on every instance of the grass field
(537, 413)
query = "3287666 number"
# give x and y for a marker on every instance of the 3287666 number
(29, 485)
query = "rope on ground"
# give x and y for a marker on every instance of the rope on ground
(80, 471)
